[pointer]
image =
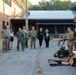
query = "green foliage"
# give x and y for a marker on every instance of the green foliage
(53, 5)
(29, 3)
(50, 5)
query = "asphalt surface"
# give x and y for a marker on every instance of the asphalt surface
(32, 61)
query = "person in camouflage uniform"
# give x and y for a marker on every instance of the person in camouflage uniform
(20, 36)
(5, 39)
(8, 30)
(70, 39)
(33, 34)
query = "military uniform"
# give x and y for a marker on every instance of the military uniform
(5, 40)
(24, 39)
(70, 60)
(75, 40)
(8, 30)
(20, 37)
(27, 37)
(33, 34)
(70, 41)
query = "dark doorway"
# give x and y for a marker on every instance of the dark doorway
(60, 29)
(51, 28)
(3, 24)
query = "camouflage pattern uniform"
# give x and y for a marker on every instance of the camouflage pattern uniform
(71, 59)
(8, 30)
(33, 34)
(70, 41)
(5, 40)
(20, 37)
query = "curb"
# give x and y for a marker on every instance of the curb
(56, 39)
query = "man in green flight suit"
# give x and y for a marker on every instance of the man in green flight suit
(20, 37)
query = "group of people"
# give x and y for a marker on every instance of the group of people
(23, 37)
(44, 36)
(24, 34)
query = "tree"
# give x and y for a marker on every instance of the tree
(73, 6)
(29, 3)
(53, 5)
(35, 7)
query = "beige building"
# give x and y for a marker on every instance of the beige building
(8, 9)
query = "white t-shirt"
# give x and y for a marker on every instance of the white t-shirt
(11, 34)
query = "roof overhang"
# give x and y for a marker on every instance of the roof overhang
(19, 4)
(56, 14)
(54, 23)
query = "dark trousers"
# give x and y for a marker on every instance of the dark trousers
(40, 42)
(47, 43)
(18, 45)
(27, 43)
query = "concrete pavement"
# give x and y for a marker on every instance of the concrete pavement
(32, 61)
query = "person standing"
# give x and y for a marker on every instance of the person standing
(11, 38)
(24, 28)
(70, 40)
(27, 37)
(20, 37)
(40, 37)
(47, 38)
(5, 40)
(75, 39)
(33, 34)
(8, 30)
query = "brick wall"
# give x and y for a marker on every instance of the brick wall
(3, 19)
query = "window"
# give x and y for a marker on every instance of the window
(7, 2)
(7, 23)
(3, 24)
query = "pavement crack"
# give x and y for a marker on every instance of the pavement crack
(38, 70)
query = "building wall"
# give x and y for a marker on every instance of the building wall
(3, 19)
(6, 12)
(53, 28)
(9, 10)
